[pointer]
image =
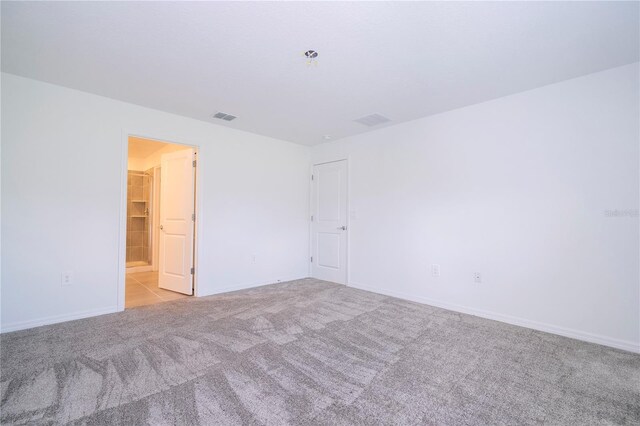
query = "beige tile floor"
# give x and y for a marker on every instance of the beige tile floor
(142, 289)
(137, 263)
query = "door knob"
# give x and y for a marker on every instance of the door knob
(343, 228)
(161, 227)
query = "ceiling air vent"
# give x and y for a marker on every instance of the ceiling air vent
(372, 120)
(224, 116)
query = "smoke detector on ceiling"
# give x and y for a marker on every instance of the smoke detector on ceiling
(312, 57)
(224, 116)
(372, 120)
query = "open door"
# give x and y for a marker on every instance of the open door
(177, 219)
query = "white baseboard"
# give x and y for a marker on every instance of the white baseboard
(535, 325)
(22, 325)
(252, 285)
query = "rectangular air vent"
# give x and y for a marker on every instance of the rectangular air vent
(372, 120)
(224, 116)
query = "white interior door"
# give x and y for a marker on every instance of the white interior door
(329, 222)
(177, 185)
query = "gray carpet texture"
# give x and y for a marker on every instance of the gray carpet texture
(309, 352)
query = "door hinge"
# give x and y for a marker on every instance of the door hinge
(193, 217)
(194, 163)
(311, 218)
(311, 177)
(193, 271)
(311, 259)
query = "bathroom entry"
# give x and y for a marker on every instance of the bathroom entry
(161, 217)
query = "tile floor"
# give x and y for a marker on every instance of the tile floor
(142, 289)
(137, 263)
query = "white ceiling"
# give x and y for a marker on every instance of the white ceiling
(403, 60)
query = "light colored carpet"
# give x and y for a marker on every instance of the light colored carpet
(309, 352)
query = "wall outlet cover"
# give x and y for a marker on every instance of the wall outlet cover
(435, 270)
(66, 278)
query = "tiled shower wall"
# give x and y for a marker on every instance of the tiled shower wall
(138, 207)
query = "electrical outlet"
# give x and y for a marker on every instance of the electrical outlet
(477, 278)
(435, 270)
(66, 278)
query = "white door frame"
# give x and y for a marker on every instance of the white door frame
(122, 235)
(335, 160)
(155, 234)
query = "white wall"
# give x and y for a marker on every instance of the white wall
(517, 189)
(60, 207)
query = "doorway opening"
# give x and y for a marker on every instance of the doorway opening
(160, 222)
